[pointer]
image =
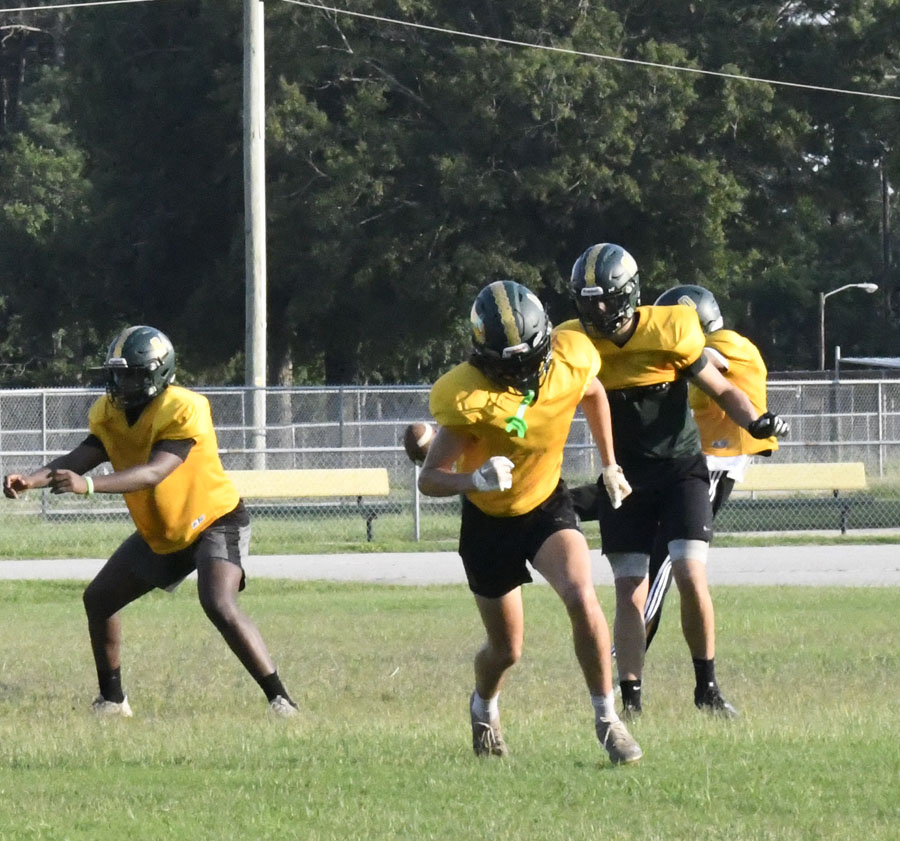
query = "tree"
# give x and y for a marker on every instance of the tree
(407, 167)
(44, 196)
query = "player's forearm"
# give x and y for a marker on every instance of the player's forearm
(76, 461)
(738, 407)
(435, 481)
(595, 406)
(126, 481)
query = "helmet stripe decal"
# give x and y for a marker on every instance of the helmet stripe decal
(590, 264)
(120, 341)
(507, 316)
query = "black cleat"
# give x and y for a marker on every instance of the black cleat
(710, 700)
(631, 711)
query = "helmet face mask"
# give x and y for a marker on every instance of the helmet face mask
(606, 288)
(139, 365)
(698, 297)
(606, 313)
(510, 336)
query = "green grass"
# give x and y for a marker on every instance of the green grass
(382, 751)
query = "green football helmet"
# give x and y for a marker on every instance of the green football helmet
(606, 288)
(140, 364)
(510, 336)
(700, 299)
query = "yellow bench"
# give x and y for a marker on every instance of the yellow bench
(822, 476)
(832, 477)
(316, 484)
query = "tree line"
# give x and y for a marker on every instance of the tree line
(407, 167)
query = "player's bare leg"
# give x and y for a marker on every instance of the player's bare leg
(218, 583)
(699, 627)
(698, 622)
(504, 624)
(565, 562)
(114, 587)
(630, 633)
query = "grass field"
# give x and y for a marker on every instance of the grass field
(382, 748)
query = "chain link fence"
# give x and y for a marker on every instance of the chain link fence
(323, 427)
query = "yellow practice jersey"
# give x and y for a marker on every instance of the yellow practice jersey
(465, 400)
(171, 515)
(646, 380)
(721, 436)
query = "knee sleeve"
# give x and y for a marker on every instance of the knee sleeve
(688, 550)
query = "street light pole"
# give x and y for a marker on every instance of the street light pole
(866, 287)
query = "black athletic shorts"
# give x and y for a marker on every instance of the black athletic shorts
(226, 539)
(669, 497)
(495, 550)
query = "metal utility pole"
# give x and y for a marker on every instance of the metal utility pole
(885, 226)
(255, 224)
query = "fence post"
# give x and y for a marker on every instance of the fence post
(417, 516)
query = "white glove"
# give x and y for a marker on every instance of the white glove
(617, 487)
(494, 475)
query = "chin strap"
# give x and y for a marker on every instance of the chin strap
(517, 422)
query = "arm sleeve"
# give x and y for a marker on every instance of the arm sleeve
(695, 367)
(94, 442)
(180, 447)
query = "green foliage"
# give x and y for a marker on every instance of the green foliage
(45, 196)
(406, 168)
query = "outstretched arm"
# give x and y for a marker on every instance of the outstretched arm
(80, 460)
(138, 478)
(737, 405)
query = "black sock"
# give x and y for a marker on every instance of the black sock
(705, 674)
(273, 687)
(631, 694)
(111, 685)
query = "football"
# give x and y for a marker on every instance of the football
(417, 437)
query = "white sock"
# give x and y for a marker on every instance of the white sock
(485, 709)
(605, 707)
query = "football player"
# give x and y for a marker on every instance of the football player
(503, 418)
(159, 439)
(728, 448)
(649, 355)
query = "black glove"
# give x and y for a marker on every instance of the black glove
(767, 425)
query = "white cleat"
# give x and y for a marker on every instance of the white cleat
(280, 707)
(111, 709)
(618, 742)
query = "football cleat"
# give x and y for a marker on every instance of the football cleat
(618, 742)
(111, 709)
(631, 711)
(710, 700)
(281, 707)
(487, 738)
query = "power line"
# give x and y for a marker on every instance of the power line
(601, 57)
(83, 4)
